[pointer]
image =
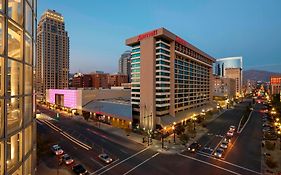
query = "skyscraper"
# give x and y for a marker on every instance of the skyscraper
(52, 66)
(17, 124)
(170, 79)
(125, 64)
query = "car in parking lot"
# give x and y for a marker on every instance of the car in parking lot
(79, 169)
(219, 153)
(227, 138)
(66, 159)
(194, 147)
(57, 150)
(224, 144)
(105, 158)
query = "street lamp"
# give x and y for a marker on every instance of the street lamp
(173, 127)
(279, 133)
(193, 119)
(164, 131)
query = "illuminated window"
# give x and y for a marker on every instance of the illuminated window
(1, 34)
(27, 139)
(15, 10)
(14, 112)
(14, 78)
(28, 79)
(27, 109)
(14, 150)
(28, 19)
(1, 158)
(14, 41)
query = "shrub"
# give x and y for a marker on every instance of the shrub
(270, 162)
(184, 138)
(269, 145)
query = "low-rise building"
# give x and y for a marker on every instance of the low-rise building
(117, 79)
(275, 84)
(111, 106)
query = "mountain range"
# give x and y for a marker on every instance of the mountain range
(258, 75)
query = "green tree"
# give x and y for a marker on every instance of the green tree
(184, 138)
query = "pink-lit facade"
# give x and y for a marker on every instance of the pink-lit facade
(70, 99)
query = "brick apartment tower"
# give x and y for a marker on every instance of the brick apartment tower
(52, 64)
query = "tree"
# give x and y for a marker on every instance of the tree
(179, 129)
(184, 138)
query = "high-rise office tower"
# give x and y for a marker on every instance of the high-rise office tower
(170, 79)
(125, 64)
(52, 66)
(17, 124)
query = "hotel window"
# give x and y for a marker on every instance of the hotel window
(1, 158)
(14, 150)
(28, 80)
(28, 166)
(14, 41)
(27, 109)
(28, 49)
(15, 10)
(28, 19)
(14, 114)
(14, 78)
(27, 139)
(1, 34)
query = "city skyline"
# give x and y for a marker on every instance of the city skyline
(229, 33)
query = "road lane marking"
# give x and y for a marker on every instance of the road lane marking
(229, 163)
(141, 163)
(104, 167)
(66, 135)
(192, 158)
(97, 162)
(124, 160)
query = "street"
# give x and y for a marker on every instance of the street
(129, 157)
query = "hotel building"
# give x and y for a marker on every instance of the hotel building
(17, 124)
(236, 74)
(170, 79)
(52, 66)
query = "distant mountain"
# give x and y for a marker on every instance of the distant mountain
(258, 75)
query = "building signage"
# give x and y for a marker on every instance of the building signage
(181, 41)
(147, 35)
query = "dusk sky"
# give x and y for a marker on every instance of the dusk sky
(98, 28)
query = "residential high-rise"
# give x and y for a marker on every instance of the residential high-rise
(17, 124)
(235, 73)
(170, 79)
(229, 62)
(125, 64)
(52, 66)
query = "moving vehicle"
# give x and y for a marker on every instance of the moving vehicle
(219, 153)
(224, 144)
(105, 158)
(67, 159)
(232, 128)
(79, 169)
(57, 150)
(230, 133)
(194, 147)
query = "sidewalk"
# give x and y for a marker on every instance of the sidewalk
(42, 169)
(169, 146)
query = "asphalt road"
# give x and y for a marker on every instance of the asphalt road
(133, 158)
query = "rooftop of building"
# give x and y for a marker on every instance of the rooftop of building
(163, 32)
(116, 108)
(53, 15)
(230, 58)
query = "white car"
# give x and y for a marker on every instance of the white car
(57, 150)
(229, 133)
(232, 128)
(67, 159)
(105, 158)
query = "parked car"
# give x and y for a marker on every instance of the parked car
(67, 159)
(79, 169)
(57, 150)
(219, 153)
(227, 138)
(194, 147)
(105, 158)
